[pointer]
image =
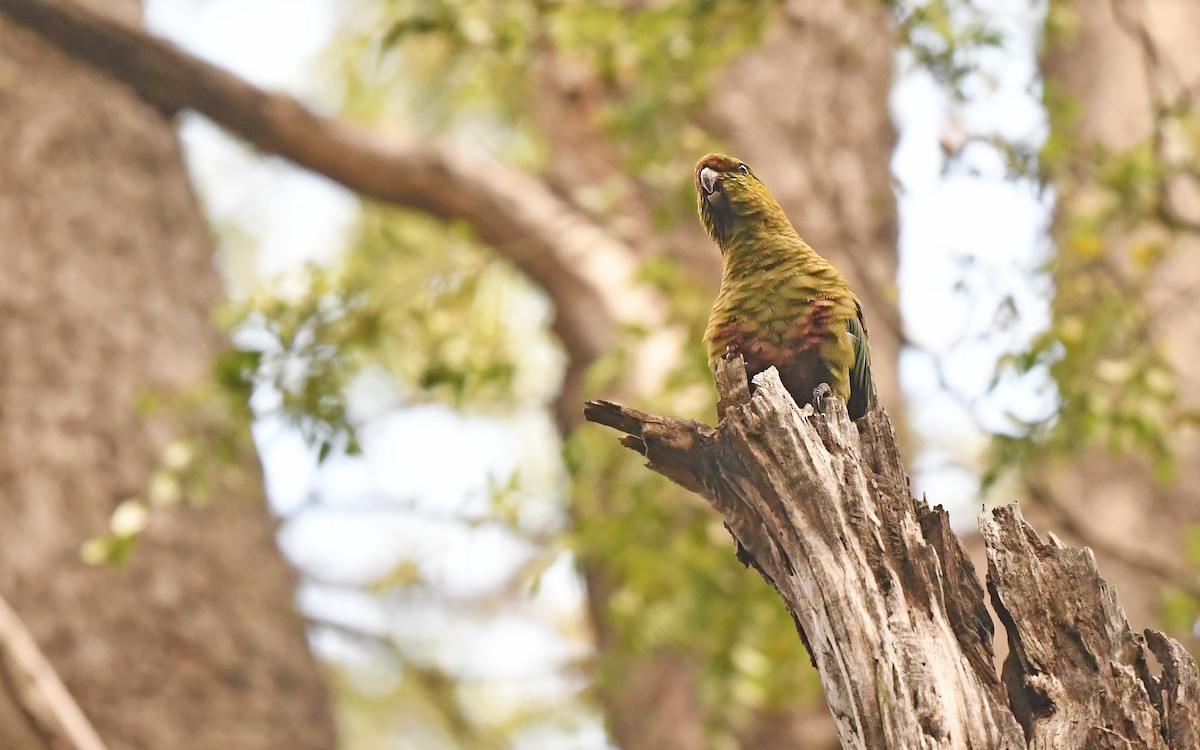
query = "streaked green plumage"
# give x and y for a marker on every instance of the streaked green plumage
(780, 303)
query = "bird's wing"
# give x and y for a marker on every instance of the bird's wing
(860, 373)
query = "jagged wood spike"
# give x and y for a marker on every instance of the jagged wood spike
(889, 605)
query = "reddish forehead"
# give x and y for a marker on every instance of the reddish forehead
(719, 162)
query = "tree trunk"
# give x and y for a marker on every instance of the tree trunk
(888, 603)
(106, 294)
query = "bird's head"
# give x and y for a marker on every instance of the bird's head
(730, 195)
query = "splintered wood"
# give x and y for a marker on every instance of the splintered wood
(888, 603)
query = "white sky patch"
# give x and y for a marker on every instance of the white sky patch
(443, 459)
(356, 548)
(971, 242)
(293, 216)
(289, 463)
(271, 43)
(356, 609)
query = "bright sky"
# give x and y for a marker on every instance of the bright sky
(967, 241)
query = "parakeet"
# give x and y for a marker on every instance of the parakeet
(780, 303)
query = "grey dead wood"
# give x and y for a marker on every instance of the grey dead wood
(1074, 661)
(887, 602)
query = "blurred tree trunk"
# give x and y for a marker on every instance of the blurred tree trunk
(1119, 71)
(106, 294)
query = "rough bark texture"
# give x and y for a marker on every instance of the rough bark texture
(1074, 667)
(106, 293)
(888, 603)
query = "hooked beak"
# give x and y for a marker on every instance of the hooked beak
(708, 180)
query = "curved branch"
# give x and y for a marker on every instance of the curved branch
(588, 273)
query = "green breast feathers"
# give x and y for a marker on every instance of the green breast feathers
(780, 303)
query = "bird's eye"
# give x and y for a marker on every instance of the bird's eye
(743, 169)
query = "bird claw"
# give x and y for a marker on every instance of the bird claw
(820, 393)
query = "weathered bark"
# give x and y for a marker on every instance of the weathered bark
(888, 603)
(1075, 669)
(106, 294)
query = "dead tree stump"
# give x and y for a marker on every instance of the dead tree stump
(888, 603)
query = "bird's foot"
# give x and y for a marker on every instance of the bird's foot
(820, 393)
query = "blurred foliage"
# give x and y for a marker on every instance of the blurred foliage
(297, 340)
(1117, 234)
(1178, 611)
(646, 68)
(1106, 348)
(462, 326)
(424, 303)
(945, 37)
(424, 308)
(212, 420)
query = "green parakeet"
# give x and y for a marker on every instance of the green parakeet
(780, 303)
